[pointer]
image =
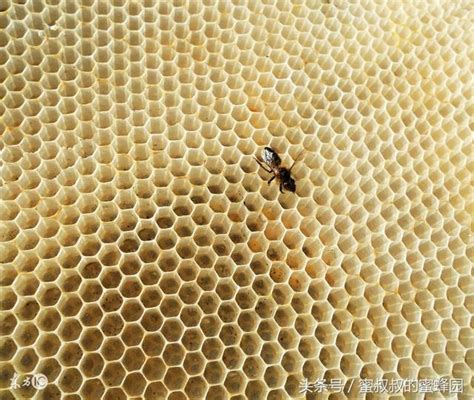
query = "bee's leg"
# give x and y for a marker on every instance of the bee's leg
(281, 187)
(263, 166)
(271, 179)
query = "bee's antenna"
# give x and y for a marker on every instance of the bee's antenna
(296, 159)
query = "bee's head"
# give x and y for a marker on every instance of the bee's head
(290, 185)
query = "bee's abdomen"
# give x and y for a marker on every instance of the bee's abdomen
(270, 156)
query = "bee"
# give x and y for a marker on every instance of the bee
(272, 164)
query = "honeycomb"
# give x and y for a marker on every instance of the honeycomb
(143, 255)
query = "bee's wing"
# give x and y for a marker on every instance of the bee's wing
(271, 157)
(296, 159)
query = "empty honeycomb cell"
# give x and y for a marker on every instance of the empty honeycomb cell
(175, 378)
(91, 365)
(111, 301)
(90, 291)
(92, 388)
(234, 382)
(173, 354)
(91, 339)
(193, 338)
(229, 335)
(133, 359)
(131, 311)
(212, 348)
(214, 372)
(70, 380)
(110, 278)
(191, 316)
(150, 297)
(70, 354)
(69, 330)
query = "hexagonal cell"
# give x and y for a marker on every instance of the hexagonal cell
(26, 285)
(226, 289)
(109, 255)
(90, 315)
(70, 380)
(8, 348)
(91, 365)
(90, 270)
(154, 368)
(129, 244)
(92, 388)
(132, 334)
(133, 359)
(212, 348)
(48, 319)
(110, 301)
(70, 354)
(194, 363)
(150, 297)
(196, 387)
(205, 259)
(153, 344)
(222, 246)
(154, 390)
(234, 382)
(91, 339)
(247, 321)
(233, 357)
(113, 374)
(168, 260)
(253, 368)
(90, 291)
(173, 354)
(146, 232)
(192, 339)
(175, 378)
(130, 287)
(25, 334)
(132, 311)
(208, 302)
(69, 330)
(130, 264)
(167, 239)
